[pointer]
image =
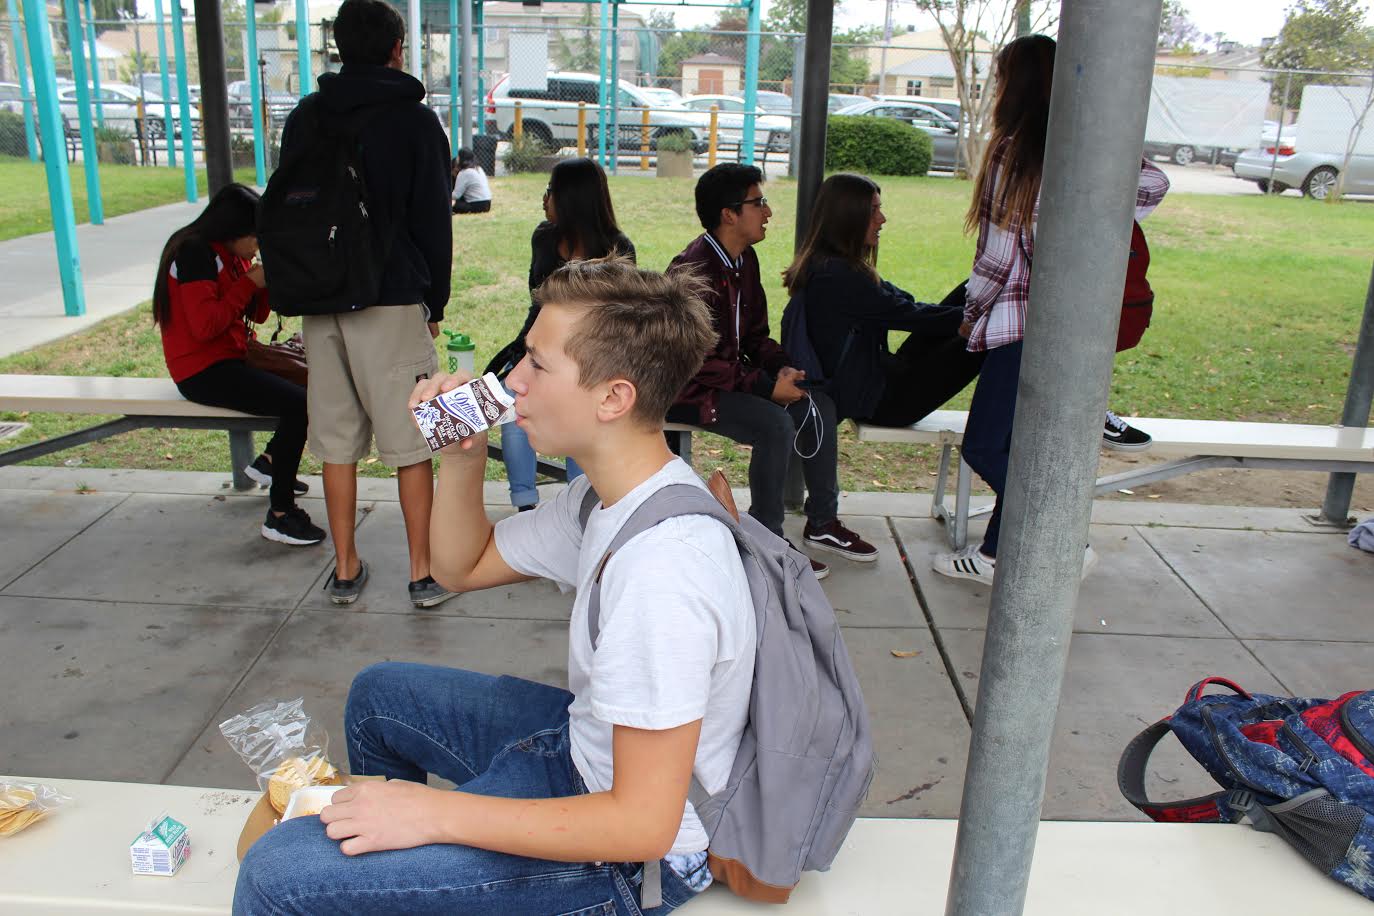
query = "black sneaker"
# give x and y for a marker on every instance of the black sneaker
(260, 472)
(346, 591)
(291, 527)
(817, 567)
(1122, 436)
(836, 538)
(428, 593)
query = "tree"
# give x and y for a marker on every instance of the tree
(112, 13)
(582, 51)
(1328, 35)
(1176, 30)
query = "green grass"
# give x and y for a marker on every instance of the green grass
(1258, 304)
(24, 208)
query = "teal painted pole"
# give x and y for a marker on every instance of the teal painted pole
(481, 98)
(454, 132)
(83, 111)
(30, 135)
(751, 80)
(167, 132)
(188, 153)
(95, 66)
(615, 86)
(602, 94)
(255, 90)
(55, 166)
(303, 47)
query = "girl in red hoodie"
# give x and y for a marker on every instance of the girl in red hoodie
(207, 290)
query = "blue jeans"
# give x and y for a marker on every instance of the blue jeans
(497, 736)
(518, 455)
(987, 435)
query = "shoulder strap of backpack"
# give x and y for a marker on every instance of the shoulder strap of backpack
(1218, 808)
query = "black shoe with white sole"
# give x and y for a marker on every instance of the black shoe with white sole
(346, 591)
(836, 538)
(260, 472)
(1122, 436)
(291, 527)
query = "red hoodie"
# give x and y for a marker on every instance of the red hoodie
(210, 294)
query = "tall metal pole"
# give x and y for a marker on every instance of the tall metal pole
(1278, 134)
(255, 91)
(882, 55)
(89, 158)
(214, 95)
(413, 38)
(95, 66)
(25, 92)
(167, 130)
(751, 80)
(1097, 127)
(304, 79)
(55, 163)
(188, 153)
(455, 64)
(820, 26)
(468, 81)
(1358, 396)
(605, 95)
(615, 87)
(480, 81)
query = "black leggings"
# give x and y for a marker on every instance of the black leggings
(234, 384)
(924, 373)
(472, 206)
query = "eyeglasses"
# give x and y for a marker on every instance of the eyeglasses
(759, 202)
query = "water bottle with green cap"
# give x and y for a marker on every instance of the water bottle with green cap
(461, 350)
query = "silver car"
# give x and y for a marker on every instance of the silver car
(943, 132)
(1314, 174)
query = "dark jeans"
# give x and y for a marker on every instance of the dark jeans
(233, 384)
(770, 430)
(472, 206)
(923, 374)
(987, 436)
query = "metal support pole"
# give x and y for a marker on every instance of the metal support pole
(214, 95)
(820, 25)
(1278, 134)
(255, 90)
(1097, 115)
(413, 37)
(95, 66)
(480, 81)
(188, 153)
(89, 157)
(1358, 396)
(454, 63)
(602, 94)
(241, 453)
(303, 68)
(466, 59)
(798, 88)
(167, 130)
(615, 87)
(55, 162)
(751, 80)
(25, 92)
(882, 55)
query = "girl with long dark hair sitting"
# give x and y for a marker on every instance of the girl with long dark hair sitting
(579, 225)
(207, 290)
(849, 311)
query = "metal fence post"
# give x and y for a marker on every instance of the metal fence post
(1358, 396)
(89, 157)
(465, 62)
(615, 87)
(751, 81)
(604, 94)
(188, 153)
(481, 27)
(1278, 134)
(820, 22)
(168, 133)
(1097, 118)
(55, 162)
(95, 66)
(255, 91)
(25, 90)
(454, 64)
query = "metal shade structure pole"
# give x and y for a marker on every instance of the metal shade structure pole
(751, 79)
(168, 133)
(1358, 395)
(25, 92)
(95, 66)
(89, 158)
(303, 76)
(255, 90)
(413, 38)
(615, 87)
(465, 60)
(55, 163)
(1102, 79)
(188, 153)
(820, 26)
(214, 95)
(454, 65)
(480, 81)
(605, 95)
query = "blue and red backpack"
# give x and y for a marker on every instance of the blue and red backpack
(1300, 768)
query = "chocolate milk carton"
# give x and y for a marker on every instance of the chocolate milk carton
(465, 411)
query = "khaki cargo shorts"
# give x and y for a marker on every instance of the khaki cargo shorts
(363, 366)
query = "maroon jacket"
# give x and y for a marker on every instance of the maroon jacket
(745, 358)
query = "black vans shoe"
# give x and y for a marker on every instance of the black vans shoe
(1122, 436)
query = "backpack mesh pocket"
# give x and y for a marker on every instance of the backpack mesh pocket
(1318, 826)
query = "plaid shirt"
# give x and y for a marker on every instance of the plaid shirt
(999, 285)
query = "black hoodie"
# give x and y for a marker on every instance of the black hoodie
(406, 161)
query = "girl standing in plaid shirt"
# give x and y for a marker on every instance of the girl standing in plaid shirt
(1005, 206)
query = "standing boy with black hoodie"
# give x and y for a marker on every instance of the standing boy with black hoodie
(364, 363)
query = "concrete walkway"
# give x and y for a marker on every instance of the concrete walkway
(118, 262)
(139, 609)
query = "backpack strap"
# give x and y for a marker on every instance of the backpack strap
(1218, 808)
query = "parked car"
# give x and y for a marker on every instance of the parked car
(840, 100)
(661, 96)
(1313, 173)
(279, 104)
(943, 133)
(152, 82)
(11, 98)
(950, 108)
(775, 130)
(1188, 153)
(119, 106)
(550, 114)
(777, 103)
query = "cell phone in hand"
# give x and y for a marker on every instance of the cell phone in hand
(806, 384)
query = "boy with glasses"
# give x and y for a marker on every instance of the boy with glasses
(747, 390)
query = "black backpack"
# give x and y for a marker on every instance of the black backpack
(323, 249)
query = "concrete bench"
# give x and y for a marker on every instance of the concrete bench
(1194, 445)
(77, 862)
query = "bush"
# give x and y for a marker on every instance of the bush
(12, 140)
(112, 135)
(876, 146)
(525, 155)
(677, 141)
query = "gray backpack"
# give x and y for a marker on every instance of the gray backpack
(806, 757)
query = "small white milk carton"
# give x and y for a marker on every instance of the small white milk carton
(161, 848)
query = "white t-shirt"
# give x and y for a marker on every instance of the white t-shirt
(471, 185)
(677, 628)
